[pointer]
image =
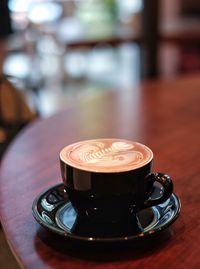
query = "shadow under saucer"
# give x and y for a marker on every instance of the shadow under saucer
(114, 251)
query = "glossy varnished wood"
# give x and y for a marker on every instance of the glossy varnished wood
(165, 116)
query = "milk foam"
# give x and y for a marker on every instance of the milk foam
(106, 155)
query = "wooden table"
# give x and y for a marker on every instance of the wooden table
(164, 115)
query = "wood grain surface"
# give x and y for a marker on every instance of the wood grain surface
(165, 115)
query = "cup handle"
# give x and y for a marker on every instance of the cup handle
(167, 190)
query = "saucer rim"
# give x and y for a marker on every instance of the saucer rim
(57, 230)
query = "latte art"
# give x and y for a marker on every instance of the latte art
(106, 155)
(100, 154)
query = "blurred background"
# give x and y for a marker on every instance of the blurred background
(54, 52)
(62, 49)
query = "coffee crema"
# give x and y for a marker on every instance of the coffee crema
(106, 155)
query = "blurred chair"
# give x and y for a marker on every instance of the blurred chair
(15, 113)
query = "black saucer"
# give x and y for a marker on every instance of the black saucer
(55, 213)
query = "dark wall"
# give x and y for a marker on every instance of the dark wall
(190, 7)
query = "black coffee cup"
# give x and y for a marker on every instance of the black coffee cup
(110, 180)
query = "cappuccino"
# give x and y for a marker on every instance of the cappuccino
(109, 180)
(106, 155)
